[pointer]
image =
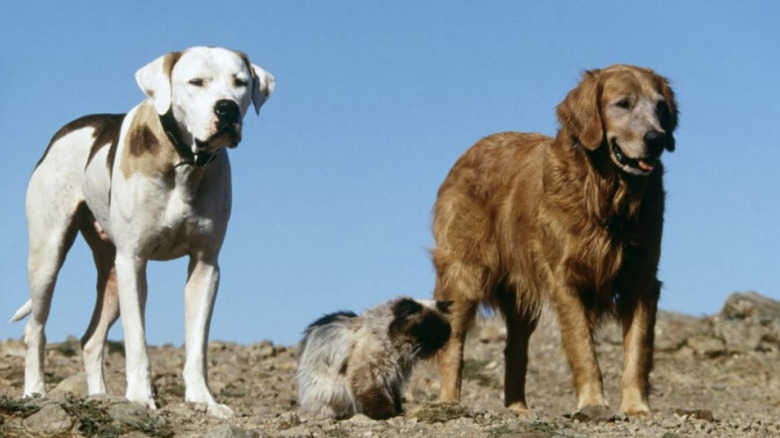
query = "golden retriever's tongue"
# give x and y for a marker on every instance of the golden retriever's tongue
(645, 166)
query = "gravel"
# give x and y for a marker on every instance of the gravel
(715, 376)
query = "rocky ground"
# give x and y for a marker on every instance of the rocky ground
(714, 376)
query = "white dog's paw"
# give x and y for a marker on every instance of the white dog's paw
(220, 411)
(34, 394)
(147, 401)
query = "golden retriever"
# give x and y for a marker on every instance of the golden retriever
(576, 220)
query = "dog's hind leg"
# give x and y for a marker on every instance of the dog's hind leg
(106, 305)
(460, 285)
(52, 223)
(520, 324)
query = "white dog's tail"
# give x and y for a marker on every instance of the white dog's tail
(23, 311)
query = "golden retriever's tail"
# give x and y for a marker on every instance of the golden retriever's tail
(22, 312)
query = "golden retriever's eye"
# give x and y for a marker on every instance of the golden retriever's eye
(661, 108)
(663, 113)
(624, 103)
(241, 82)
(196, 82)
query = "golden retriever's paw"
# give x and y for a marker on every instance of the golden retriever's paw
(635, 409)
(594, 414)
(640, 413)
(521, 411)
(221, 411)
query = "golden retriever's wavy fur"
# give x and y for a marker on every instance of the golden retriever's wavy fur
(575, 220)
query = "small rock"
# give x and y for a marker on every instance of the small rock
(440, 412)
(395, 421)
(134, 434)
(673, 329)
(109, 399)
(256, 420)
(288, 420)
(706, 345)
(594, 414)
(526, 435)
(671, 422)
(227, 431)
(50, 420)
(264, 349)
(741, 336)
(128, 412)
(297, 432)
(75, 384)
(360, 419)
(181, 409)
(696, 414)
(751, 305)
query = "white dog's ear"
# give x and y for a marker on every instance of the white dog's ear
(262, 88)
(155, 80)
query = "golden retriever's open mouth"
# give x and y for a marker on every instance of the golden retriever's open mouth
(633, 165)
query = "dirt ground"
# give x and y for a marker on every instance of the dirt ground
(713, 376)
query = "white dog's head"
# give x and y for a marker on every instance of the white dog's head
(208, 90)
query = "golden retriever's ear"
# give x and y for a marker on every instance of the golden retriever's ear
(668, 117)
(580, 112)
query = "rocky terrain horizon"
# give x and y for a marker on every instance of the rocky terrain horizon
(716, 376)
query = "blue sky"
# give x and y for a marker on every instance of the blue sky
(334, 182)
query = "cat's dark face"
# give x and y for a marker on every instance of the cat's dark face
(423, 323)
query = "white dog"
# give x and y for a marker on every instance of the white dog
(153, 184)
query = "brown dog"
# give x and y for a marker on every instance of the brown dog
(576, 219)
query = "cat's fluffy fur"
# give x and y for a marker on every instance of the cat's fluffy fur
(353, 364)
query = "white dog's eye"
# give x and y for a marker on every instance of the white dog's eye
(196, 82)
(241, 82)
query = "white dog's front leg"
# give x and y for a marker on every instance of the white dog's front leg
(200, 293)
(131, 279)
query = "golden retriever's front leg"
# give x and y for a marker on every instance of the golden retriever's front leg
(638, 338)
(577, 340)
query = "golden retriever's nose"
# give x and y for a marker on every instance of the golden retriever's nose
(655, 142)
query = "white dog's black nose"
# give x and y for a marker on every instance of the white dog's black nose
(227, 111)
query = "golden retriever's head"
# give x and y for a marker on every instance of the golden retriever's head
(629, 110)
